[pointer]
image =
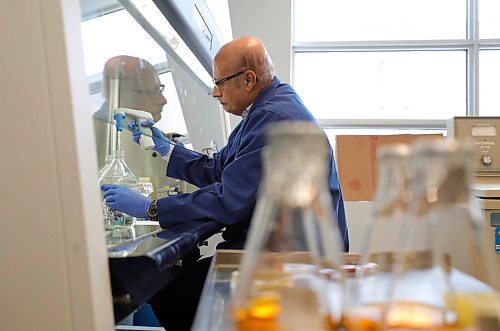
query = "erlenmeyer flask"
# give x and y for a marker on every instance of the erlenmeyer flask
(443, 232)
(117, 172)
(368, 292)
(287, 277)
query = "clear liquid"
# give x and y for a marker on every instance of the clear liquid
(116, 219)
(118, 173)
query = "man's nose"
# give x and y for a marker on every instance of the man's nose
(162, 99)
(216, 92)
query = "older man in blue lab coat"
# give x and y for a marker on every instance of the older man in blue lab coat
(245, 85)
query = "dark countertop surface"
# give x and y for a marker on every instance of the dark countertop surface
(144, 258)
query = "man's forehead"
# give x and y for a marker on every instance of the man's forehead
(226, 60)
(142, 80)
(224, 69)
(144, 74)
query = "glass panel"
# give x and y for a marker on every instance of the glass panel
(127, 68)
(340, 20)
(489, 83)
(104, 39)
(220, 12)
(382, 85)
(489, 24)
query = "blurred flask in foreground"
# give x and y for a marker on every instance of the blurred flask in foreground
(444, 251)
(438, 254)
(289, 277)
(368, 292)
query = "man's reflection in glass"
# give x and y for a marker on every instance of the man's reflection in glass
(139, 87)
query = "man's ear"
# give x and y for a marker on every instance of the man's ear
(250, 80)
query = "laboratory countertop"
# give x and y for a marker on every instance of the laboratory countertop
(143, 258)
(212, 311)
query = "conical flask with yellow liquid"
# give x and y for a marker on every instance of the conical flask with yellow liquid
(441, 256)
(289, 276)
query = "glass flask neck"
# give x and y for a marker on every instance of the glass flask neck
(117, 172)
(443, 180)
(296, 170)
(118, 154)
(393, 187)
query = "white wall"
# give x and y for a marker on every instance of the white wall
(54, 272)
(270, 20)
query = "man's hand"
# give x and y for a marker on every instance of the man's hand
(162, 143)
(126, 200)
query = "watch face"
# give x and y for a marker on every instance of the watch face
(152, 213)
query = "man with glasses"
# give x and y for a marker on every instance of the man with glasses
(136, 84)
(245, 85)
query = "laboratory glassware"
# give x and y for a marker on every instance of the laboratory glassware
(117, 173)
(107, 161)
(144, 186)
(120, 241)
(445, 231)
(368, 291)
(289, 277)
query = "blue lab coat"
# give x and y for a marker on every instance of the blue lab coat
(228, 183)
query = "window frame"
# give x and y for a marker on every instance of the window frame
(472, 46)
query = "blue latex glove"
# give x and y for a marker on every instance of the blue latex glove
(126, 200)
(162, 143)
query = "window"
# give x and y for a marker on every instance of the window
(373, 64)
(382, 85)
(340, 20)
(489, 82)
(489, 24)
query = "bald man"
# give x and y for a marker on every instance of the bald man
(139, 88)
(245, 85)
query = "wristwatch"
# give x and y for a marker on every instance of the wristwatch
(153, 211)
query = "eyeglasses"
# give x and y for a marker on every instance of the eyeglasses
(152, 91)
(218, 83)
(156, 90)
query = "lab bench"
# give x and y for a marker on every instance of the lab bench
(212, 309)
(212, 314)
(144, 258)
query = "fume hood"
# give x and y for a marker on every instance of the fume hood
(183, 39)
(178, 39)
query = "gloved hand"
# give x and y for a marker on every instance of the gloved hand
(162, 143)
(126, 200)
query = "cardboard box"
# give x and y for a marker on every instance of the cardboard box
(356, 157)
